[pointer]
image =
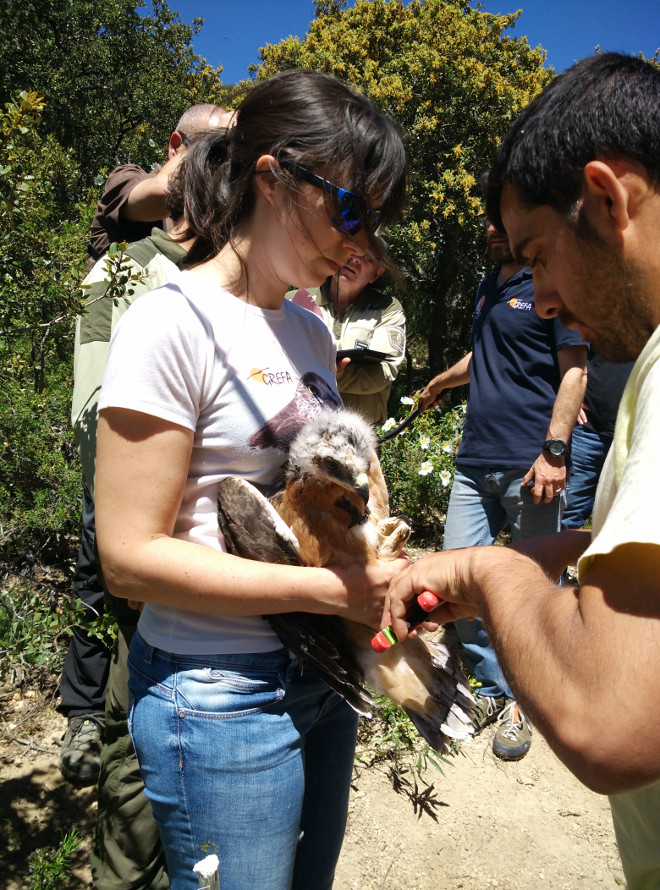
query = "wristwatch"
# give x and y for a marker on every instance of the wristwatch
(556, 447)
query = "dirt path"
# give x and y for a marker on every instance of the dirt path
(529, 824)
(484, 823)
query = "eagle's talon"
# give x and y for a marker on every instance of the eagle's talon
(393, 535)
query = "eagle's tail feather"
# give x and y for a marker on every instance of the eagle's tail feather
(450, 716)
(426, 679)
(322, 642)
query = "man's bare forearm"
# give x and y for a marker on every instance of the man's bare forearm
(571, 656)
(573, 369)
(457, 375)
(566, 654)
(555, 552)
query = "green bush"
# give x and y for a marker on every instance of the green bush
(50, 867)
(419, 467)
(40, 479)
(42, 256)
(35, 625)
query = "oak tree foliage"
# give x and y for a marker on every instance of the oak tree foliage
(84, 85)
(114, 78)
(42, 231)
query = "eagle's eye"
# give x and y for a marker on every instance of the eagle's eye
(333, 467)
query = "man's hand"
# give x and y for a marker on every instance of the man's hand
(443, 574)
(457, 375)
(430, 396)
(147, 201)
(549, 476)
(450, 575)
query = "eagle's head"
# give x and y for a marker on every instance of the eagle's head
(337, 445)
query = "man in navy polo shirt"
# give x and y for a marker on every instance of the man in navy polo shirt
(527, 378)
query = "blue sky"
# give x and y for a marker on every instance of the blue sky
(567, 29)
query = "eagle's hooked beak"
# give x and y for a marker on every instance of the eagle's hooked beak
(362, 486)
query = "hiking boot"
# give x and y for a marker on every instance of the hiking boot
(81, 749)
(487, 710)
(514, 734)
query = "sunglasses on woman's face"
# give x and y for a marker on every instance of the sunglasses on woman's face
(354, 213)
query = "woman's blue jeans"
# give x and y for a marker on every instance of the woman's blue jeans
(246, 756)
(481, 503)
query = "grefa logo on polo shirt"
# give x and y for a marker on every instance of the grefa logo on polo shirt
(520, 304)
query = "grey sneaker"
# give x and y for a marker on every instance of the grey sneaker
(514, 734)
(81, 749)
(488, 709)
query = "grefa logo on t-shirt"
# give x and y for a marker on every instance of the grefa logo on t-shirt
(270, 378)
(520, 304)
(480, 306)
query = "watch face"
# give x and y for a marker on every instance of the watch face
(556, 447)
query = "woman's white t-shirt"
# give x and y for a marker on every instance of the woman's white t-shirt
(244, 380)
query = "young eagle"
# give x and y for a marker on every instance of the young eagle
(333, 510)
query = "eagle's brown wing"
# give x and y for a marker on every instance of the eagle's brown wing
(253, 529)
(251, 526)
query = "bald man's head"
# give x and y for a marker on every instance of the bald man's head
(199, 118)
(195, 121)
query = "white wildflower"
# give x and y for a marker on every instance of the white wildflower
(406, 400)
(424, 442)
(426, 468)
(445, 477)
(446, 447)
(389, 424)
(207, 867)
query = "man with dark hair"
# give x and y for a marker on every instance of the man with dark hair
(577, 186)
(527, 378)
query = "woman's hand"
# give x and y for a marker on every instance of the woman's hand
(365, 589)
